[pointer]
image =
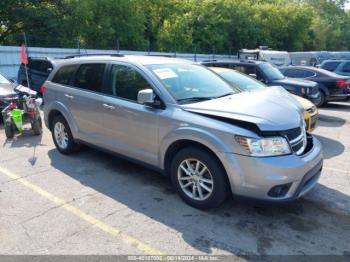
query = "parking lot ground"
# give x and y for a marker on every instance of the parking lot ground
(96, 203)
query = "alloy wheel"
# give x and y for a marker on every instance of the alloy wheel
(195, 179)
(61, 135)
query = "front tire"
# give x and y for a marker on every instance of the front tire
(199, 178)
(62, 136)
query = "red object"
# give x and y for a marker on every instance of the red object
(24, 58)
(43, 89)
(342, 83)
(12, 105)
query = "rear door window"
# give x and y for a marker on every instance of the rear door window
(300, 73)
(90, 77)
(64, 75)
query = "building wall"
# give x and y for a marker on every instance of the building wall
(10, 56)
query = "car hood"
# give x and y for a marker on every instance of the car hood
(271, 109)
(7, 90)
(295, 82)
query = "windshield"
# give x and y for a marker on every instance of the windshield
(190, 83)
(242, 81)
(271, 72)
(3, 80)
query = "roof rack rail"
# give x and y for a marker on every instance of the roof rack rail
(82, 55)
(160, 55)
(210, 60)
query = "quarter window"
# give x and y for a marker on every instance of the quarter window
(346, 68)
(126, 82)
(64, 75)
(90, 77)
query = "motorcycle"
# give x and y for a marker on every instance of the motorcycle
(23, 108)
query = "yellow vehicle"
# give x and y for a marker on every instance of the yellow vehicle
(248, 83)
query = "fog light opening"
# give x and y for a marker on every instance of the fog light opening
(280, 190)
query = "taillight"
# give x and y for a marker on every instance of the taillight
(342, 83)
(43, 89)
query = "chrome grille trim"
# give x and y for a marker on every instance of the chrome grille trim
(301, 138)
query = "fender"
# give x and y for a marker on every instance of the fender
(193, 134)
(324, 89)
(66, 114)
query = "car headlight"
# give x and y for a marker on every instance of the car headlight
(269, 146)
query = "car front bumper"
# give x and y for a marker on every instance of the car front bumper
(311, 120)
(255, 177)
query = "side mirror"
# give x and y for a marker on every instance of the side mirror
(146, 97)
(252, 75)
(49, 70)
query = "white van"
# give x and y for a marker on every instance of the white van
(277, 58)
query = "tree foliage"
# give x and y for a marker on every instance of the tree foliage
(220, 26)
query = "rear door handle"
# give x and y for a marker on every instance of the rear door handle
(108, 106)
(69, 96)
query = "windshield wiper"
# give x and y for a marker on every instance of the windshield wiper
(203, 98)
(195, 98)
(227, 94)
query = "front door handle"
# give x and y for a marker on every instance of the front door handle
(69, 96)
(108, 106)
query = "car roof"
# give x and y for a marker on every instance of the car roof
(139, 59)
(243, 62)
(334, 60)
(221, 69)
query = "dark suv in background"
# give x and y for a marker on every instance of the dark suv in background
(38, 71)
(271, 76)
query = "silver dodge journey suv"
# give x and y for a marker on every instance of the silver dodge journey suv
(211, 138)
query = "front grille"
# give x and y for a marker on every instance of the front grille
(292, 134)
(297, 139)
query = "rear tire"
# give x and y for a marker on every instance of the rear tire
(62, 136)
(10, 131)
(199, 178)
(37, 127)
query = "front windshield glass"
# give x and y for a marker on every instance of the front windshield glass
(242, 81)
(3, 80)
(271, 72)
(189, 83)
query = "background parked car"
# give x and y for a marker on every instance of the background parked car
(247, 83)
(6, 92)
(340, 67)
(332, 87)
(271, 76)
(38, 71)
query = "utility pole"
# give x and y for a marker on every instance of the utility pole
(78, 44)
(118, 45)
